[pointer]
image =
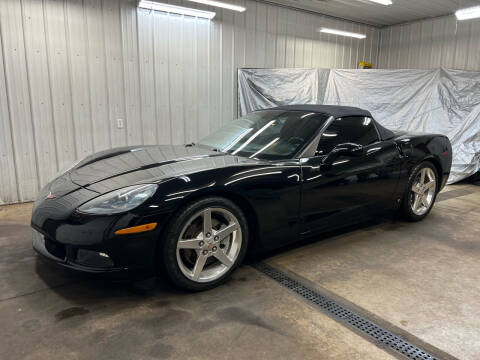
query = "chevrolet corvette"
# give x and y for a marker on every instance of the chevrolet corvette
(268, 179)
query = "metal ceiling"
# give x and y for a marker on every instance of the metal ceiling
(367, 12)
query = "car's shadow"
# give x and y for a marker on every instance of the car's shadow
(86, 293)
(328, 236)
(51, 274)
(86, 290)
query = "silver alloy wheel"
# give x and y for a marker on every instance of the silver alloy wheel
(209, 244)
(423, 191)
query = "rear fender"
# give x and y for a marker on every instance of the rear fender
(423, 147)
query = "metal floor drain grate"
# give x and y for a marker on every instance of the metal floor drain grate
(379, 335)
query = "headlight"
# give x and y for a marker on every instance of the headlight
(119, 200)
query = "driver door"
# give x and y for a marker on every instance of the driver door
(351, 188)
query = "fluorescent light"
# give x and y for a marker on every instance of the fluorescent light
(152, 5)
(220, 5)
(240, 137)
(265, 147)
(468, 13)
(307, 115)
(253, 137)
(342, 33)
(383, 2)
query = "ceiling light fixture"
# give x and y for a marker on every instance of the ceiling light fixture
(468, 13)
(342, 33)
(220, 5)
(152, 5)
(383, 2)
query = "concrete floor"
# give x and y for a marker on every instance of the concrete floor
(422, 278)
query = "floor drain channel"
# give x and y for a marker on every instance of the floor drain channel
(379, 335)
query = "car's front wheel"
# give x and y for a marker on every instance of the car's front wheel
(421, 192)
(205, 242)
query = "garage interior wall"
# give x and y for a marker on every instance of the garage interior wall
(433, 43)
(70, 69)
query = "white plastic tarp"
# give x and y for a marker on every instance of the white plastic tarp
(435, 101)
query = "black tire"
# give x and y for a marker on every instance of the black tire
(168, 248)
(406, 207)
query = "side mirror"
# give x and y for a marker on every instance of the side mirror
(346, 149)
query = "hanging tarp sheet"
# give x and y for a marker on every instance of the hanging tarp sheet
(436, 101)
(264, 88)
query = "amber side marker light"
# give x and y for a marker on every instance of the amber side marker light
(136, 229)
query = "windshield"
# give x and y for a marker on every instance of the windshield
(267, 134)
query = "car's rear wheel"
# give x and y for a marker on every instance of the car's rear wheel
(421, 192)
(204, 244)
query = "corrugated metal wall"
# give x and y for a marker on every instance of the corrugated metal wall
(70, 69)
(433, 43)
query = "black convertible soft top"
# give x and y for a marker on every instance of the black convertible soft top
(337, 112)
(333, 110)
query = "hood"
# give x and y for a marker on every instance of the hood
(113, 169)
(121, 167)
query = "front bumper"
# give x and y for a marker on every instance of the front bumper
(39, 243)
(124, 258)
(88, 243)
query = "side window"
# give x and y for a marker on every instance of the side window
(354, 129)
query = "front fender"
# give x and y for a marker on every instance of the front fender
(269, 194)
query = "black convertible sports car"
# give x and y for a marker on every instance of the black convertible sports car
(260, 182)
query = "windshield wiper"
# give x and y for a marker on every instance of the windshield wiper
(190, 145)
(209, 147)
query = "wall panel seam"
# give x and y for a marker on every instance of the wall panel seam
(89, 86)
(69, 62)
(29, 88)
(7, 96)
(107, 92)
(47, 53)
